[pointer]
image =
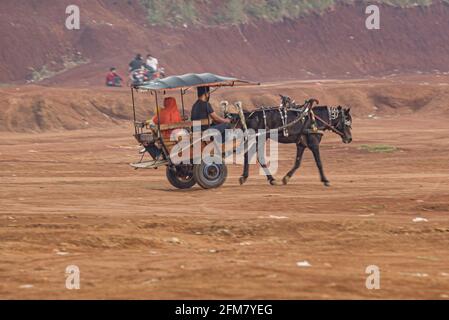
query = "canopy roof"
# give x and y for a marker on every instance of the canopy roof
(193, 80)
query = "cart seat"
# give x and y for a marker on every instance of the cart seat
(167, 129)
(182, 125)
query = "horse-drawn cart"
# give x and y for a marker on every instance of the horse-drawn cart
(180, 175)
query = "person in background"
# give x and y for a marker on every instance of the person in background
(113, 79)
(136, 63)
(152, 64)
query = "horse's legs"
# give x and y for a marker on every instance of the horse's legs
(254, 152)
(314, 146)
(299, 153)
(270, 178)
(245, 174)
(263, 163)
(247, 159)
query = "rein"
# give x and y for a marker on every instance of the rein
(329, 126)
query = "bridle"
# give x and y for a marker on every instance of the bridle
(334, 115)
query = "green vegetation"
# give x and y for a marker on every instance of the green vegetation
(378, 148)
(216, 12)
(45, 72)
(171, 12)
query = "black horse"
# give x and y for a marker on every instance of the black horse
(306, 133)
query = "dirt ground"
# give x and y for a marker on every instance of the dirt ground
(70, 198)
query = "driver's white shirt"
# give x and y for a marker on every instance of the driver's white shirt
(153, 63)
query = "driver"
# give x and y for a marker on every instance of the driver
(202, 109)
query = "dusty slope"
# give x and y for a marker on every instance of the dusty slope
(39, 109)
(335, 43)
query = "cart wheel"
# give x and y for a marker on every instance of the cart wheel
(181, 177)
(210, 176)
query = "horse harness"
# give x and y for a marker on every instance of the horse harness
(283, 112)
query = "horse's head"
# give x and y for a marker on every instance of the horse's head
(343, 123)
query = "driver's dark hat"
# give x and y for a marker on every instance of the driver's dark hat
(202, 91)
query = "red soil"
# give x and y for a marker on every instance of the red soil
(335, 43)
(38, 109)
(70, 198)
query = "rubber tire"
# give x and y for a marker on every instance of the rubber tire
(206, 183)
(177, 183)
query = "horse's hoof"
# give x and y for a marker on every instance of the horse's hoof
(274, 182)
(286, 180)
(327, 183)
(242, 180)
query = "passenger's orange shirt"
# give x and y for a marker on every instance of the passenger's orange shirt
(169, 114)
